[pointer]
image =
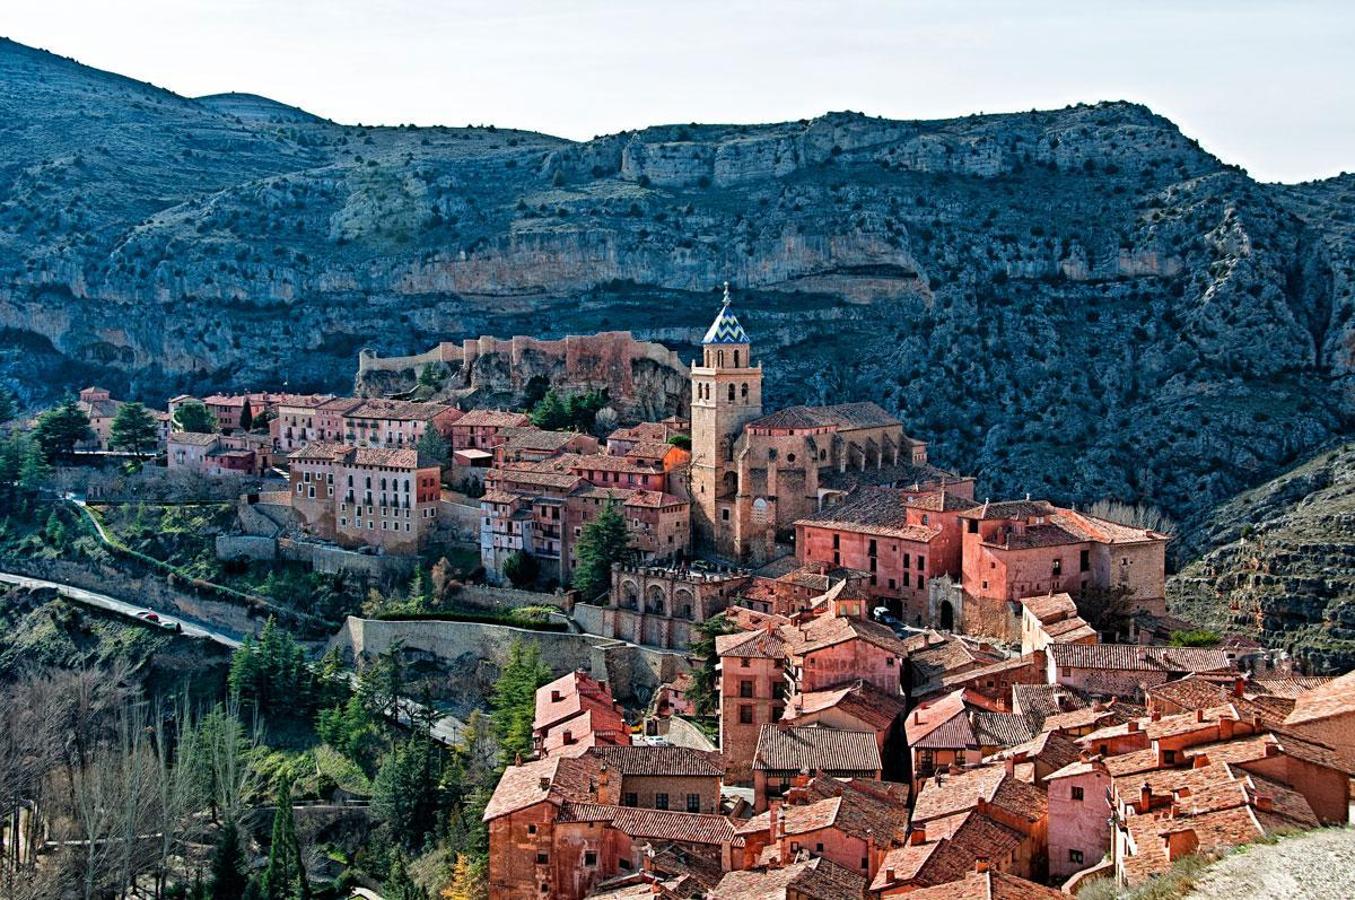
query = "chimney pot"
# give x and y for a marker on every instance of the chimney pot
(919, 835)
(981, 864)
(1132, 725)
(1199, 715)
(1239, 685)
(889, 876)
(1156, 716)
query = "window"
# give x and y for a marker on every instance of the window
(731, 393)
(724, 514)
(694, 803)
(746, 689)
(630, 799)
(1084, 561)
(745, 715)
(1075, 856)
(921, 563)
(590, 857)
(1169, 756)
(1077, 794)
(542, 859)
(871, 549)
(660, 801)
(1056, 567)
(925, 760)
(818, 848)
(531, 829)
(973, 526)
(959, 757)
(743, 662)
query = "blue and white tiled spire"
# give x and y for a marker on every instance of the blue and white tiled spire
(726, 328)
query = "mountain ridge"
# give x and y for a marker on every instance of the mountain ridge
(1079, 303)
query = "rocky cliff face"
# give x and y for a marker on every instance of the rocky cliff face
(1076, 303)
(1282, 563)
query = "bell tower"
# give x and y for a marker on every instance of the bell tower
(726, 393)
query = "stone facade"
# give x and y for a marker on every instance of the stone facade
(658, 605)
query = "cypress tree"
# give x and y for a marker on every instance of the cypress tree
(285, 876)
(228, 864)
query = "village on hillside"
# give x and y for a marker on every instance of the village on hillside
(818, 666)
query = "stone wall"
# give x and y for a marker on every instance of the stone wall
(467, 648)
(461, 520)
(246, 546)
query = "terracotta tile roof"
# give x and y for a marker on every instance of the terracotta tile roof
(872, 510)
(576, 692)
(1049, 608)
(526, 437)
(953, 844)
(811, 879)
(1286, 685)
(556, 779)
(653, 500)
(388, 457)
(493, 418)
(193, 439)
(646, 432)
(1190, 692)
(1015, 664)
(320, 451)
(398, 410)
(1139, 657)
(758, 644)
(841, 416)
(858, 808)
(935, 500)
(655, 450)
(861, 700)
(1045, 700)
(951, 655)
(1069, 630)
(782, 748)
(653, 824)
(1076, 719)
(990, 885)
(941, 723)
(1010, 509)
(1135, 761)
(1051, 748)
(601, 462)
(828, 631)
(1003, 729)
(339, 405)
(643, 759)
(962, 791)
(1335, 698)
(903, 474)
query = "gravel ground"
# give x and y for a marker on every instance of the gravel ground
(1315, 866)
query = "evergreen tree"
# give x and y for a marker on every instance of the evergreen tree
(228, 864)
(603, 541)
(514, 700)
(285, 876)
(193, 416)
(246, 416)
(521, 569)
(8, 407)
(399, 886)
(134, 429)
(34, 469)
(61, 428)
(704, 693)
(270, 673)
(405, 792)
(434, 446)
(550, 412)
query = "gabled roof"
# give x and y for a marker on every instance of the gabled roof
(811, 879)
(759, 643)
(653, 824)
(1003, 729)
(1049, 608)
(492, 418)
(953, 844)
(1335, 698)
(872, 510)
(643, 759)
(990, 885)
(1051, 748)
(556, 779)
(399, 410)
(840, 416)
(788, 748)
(858, 808)
(861, 700)
(1139, 657)
(960, 791)
(940, 723)
(830, 630)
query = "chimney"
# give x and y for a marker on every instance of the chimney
(1227, 727)
(1132, 725)
(1010, 765)
(1272, 749)
(1199, 715)
(980, 864)
(543, 783)
(1084, 756)
(1239, 685)
(1265, 803)
(1156, 716)
(889, 876)
(870, 854)
(982, 806)
(1199, 760)
(1145, 798)
(917, 716)
(555, 697)
(918, 835)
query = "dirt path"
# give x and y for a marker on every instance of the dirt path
(1316, 866)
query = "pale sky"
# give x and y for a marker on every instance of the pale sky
(1267, 85)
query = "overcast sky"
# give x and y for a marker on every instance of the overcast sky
(1267, 85)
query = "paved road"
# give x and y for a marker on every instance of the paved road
(112, 604)
(446, 730)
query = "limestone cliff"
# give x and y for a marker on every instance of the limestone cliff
(1076, 303)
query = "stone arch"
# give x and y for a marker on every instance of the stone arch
(630, 594)
(947, 616)
(730, 483)
(684, 603)
(656, 600)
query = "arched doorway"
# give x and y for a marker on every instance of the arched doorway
(655, 600)
(947, 616)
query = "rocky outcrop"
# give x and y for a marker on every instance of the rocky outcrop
(1078, 303)
(1279, 563)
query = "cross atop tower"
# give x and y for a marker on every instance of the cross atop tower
(727, 300)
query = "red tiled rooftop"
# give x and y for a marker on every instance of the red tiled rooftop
(811, 879)
(1335, 698)
(962, 790)
(782, 748)
(1139, 657)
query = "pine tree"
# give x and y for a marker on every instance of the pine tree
(603, 541)
(514, 700)
(8, 408)
(228, 864)
(61, 428)
(405, 792)
(133, 429)
(285, 876)
(194, 416)
(550, 412)
(704, 692)
(434, 446)
(399, 886)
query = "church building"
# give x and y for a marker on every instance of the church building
(754, 475)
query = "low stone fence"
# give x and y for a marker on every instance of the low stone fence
(478, 651)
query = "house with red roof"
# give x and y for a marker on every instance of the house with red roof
(575, 711)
